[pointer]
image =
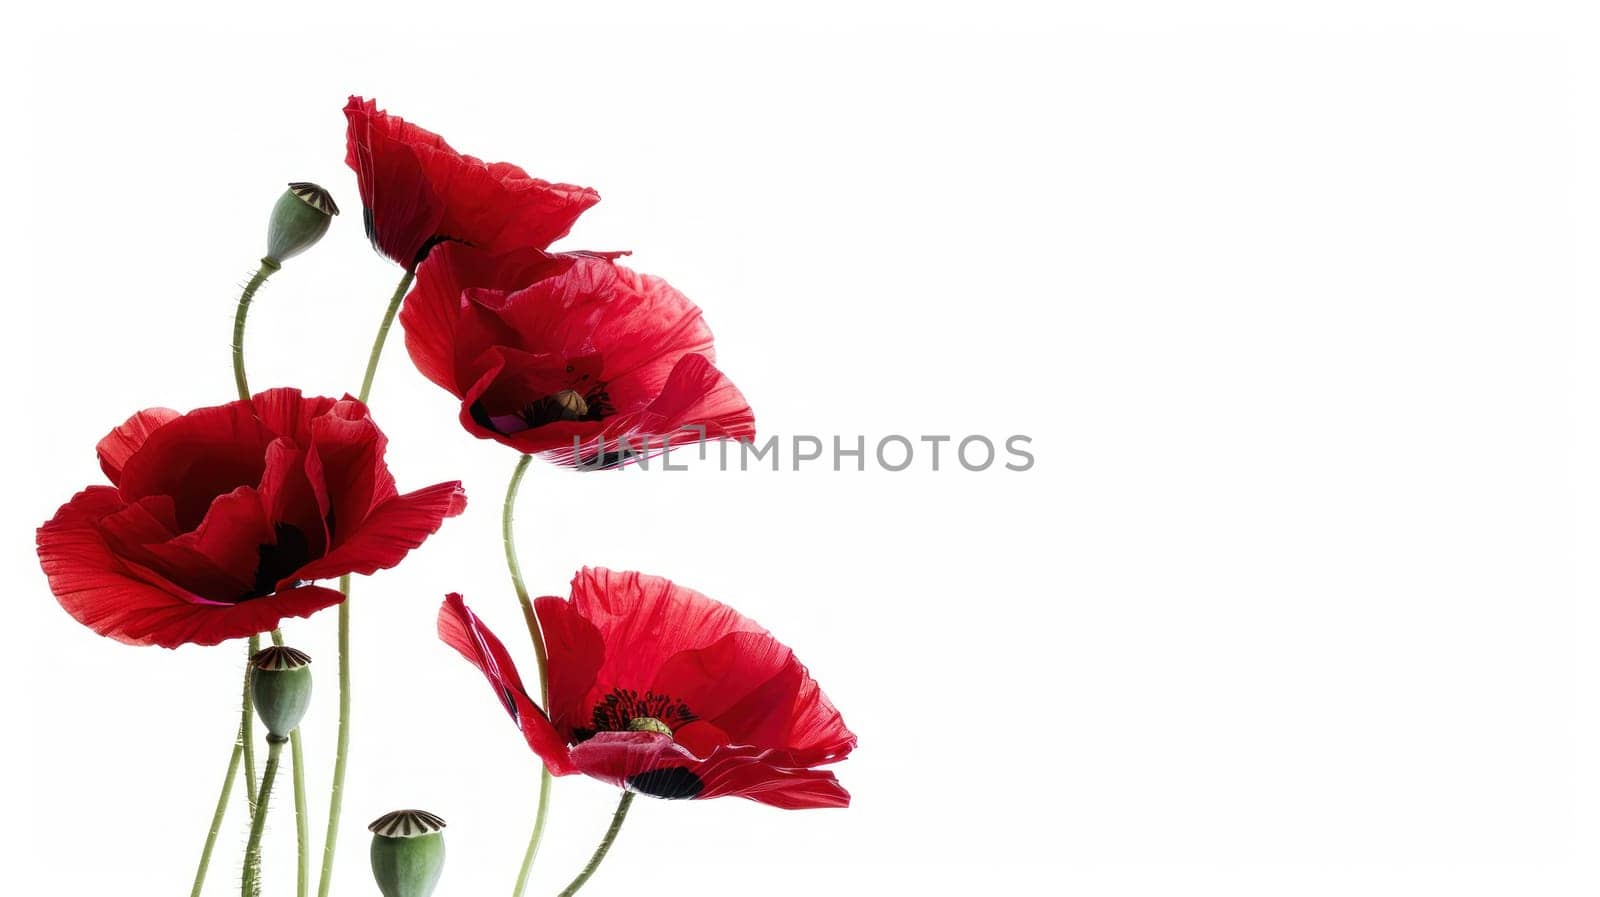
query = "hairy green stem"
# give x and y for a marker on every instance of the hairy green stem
(341, 757)
(508, 538)
(247, 726)
(268, 266)
(302, 828)
(216, 822)
(241, 385)
(250, 886)
(242, 744)
(605, 845)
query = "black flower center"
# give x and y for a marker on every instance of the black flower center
(626, 710)
(562, 405)
(527, 398)
(619, 711)
(567, 405)
(671, 783)
(278, 559)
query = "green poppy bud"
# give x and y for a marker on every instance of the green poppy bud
(407, 852)
(280, 685)
(299, 220)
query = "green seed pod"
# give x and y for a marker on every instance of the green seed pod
(299, 220)
(407, 852)
(280, 685)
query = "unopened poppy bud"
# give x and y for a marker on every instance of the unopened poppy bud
(280, 686)
(299, 220)
(407, 852)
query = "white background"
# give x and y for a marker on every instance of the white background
(1296, 303)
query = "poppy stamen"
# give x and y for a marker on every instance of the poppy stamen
(625, 710)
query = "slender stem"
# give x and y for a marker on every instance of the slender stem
(242, 385)
(341, 757)
(302, 824)
(216, 822)
(302, 830)
(243, 740)
(508, 537)
(383, 332)
(247, 724)
(605, 845)
(538, 831)
(268, 266)
(251, 884)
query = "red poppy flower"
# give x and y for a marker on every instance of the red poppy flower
(660, 690)
(569, 355)
(418, 192)
(220, 520)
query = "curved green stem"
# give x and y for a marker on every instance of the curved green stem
(241, 384)
(341, 757)
(243, 745)
(383, 332)
(216, 822)
(246, 743)
(302, 829)
(508, 538)
(268, 266)
(251, 884)
(538, 831)
(605, 845)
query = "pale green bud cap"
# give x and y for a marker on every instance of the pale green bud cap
(299, 220)
(280, 687)
(407, 852)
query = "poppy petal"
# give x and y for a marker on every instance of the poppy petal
(288, 495)
(143, 534)
(621, 758)
(432, 312)
(214, 624)
(461, 629)
(477, 419)
(500, 206)
(699, 395)
(288, 413)
(653, 764)
(644, 333)
(575, 650)
(765, 776)
(389, 532)
(225, 551)
(418, 191)
(402, 210)
(753, 690)
(196, 457)
(697, 403)
(644, 620)
(121, 600)
(350, 449)
(120, 444)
